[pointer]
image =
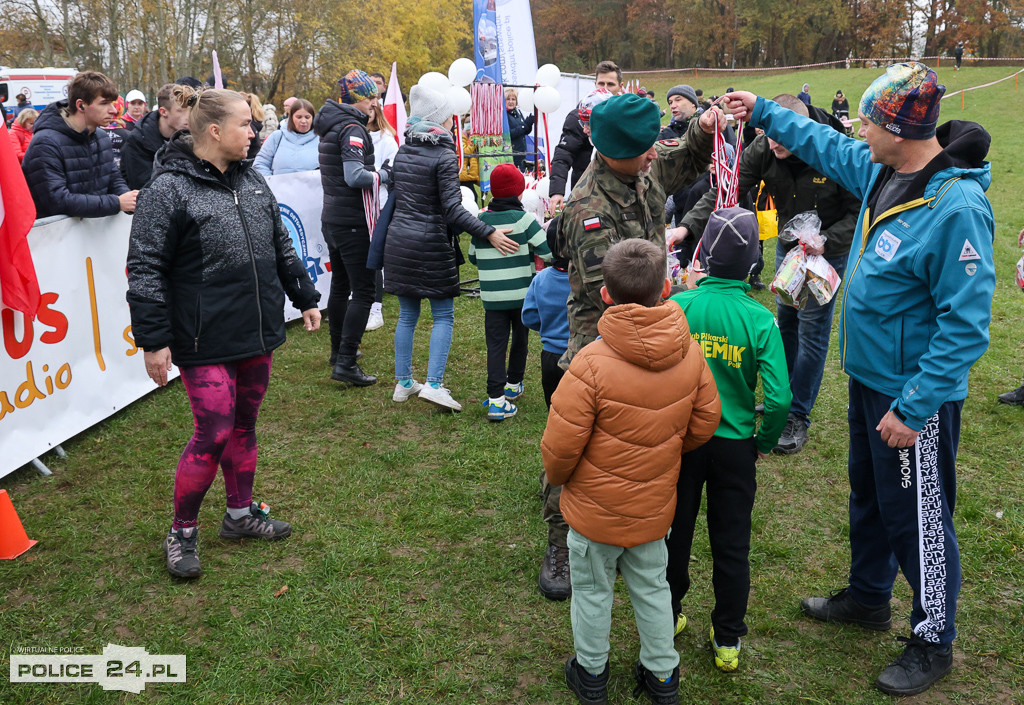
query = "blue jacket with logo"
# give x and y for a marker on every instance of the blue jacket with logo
(917, 299)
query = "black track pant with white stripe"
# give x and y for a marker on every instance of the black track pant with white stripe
(901, 513)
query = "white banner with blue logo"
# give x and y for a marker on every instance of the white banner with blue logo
(301, 199)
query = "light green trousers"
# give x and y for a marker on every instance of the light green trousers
(592, 567)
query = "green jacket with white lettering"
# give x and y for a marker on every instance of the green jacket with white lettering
(740, 340)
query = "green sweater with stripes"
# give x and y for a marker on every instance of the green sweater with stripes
(504, 279)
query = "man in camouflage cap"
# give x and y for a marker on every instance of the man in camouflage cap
(622, 195)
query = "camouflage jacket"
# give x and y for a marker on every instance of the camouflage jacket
(606, 207)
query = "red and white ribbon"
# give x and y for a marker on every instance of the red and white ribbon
(727, 180)
(458, 143)
(371, 203)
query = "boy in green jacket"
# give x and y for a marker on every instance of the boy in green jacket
(740, 340)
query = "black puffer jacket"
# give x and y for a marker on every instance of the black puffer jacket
(519, 127)
(419, 254)
(573, 151)
(71, 173)
(343, 137)
(140, 148)
(209, 262)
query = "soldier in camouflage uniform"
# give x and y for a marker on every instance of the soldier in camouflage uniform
(622, 195)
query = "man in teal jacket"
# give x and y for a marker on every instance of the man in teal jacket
(915, 316)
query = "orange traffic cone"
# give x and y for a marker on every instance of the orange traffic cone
(13, 539)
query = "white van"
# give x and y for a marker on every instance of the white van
(40, 86)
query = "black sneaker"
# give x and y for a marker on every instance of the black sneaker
(756, 284)
(840, 607)
(793, 437)
(554, 573)
(591, 690)
(257, 524)
(181, 548)
(918, 667)
(1016, 397)
(659, 692)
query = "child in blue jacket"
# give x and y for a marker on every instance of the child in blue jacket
(544, 310)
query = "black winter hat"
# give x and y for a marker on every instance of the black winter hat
(728, 248)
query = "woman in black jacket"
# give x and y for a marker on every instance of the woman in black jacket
(518, 127)
(420, 250)
(209, 263)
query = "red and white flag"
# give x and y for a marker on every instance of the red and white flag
(394, 106)
(19, 287)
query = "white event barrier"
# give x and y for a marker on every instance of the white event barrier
(77, 363)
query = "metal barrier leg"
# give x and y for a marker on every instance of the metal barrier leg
(60, 452)
(38, 465)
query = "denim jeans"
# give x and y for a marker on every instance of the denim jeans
(443, 312)
(805, 337)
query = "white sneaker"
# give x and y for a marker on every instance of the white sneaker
(402, 393)
(440, 396)
(375, 321)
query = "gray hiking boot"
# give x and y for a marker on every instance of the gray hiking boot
(257, 524)
(181, 548)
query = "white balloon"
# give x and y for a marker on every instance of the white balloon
(549, 75)
(525, 100)
(459, 100)
(462, 72)
(547, 99)
(469, 200)
(544, 188)
(531, 202)
(435, 81)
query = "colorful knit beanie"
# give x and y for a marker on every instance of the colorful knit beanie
(905, 101)
(357, 85)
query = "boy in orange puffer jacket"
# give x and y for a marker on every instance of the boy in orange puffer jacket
(630, 403)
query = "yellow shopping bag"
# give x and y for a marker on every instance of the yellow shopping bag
(767, 216)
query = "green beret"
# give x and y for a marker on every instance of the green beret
(624, 126)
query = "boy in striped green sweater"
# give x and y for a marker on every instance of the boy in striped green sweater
(504, 280)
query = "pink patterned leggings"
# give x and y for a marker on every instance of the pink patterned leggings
(225, 401)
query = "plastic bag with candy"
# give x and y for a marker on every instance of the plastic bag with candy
(789, 278)
(804, 228)
(1020, 272)
(676, 269)
(822, 280)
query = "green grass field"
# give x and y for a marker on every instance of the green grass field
(413, 565)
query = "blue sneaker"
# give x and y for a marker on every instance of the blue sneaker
(513, 391)
(499, 411)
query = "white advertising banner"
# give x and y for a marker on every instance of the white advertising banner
(300, 197)
(77, 363)
(518, 49)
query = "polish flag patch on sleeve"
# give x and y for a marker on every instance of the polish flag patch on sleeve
(592, 223)
(356, 141)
